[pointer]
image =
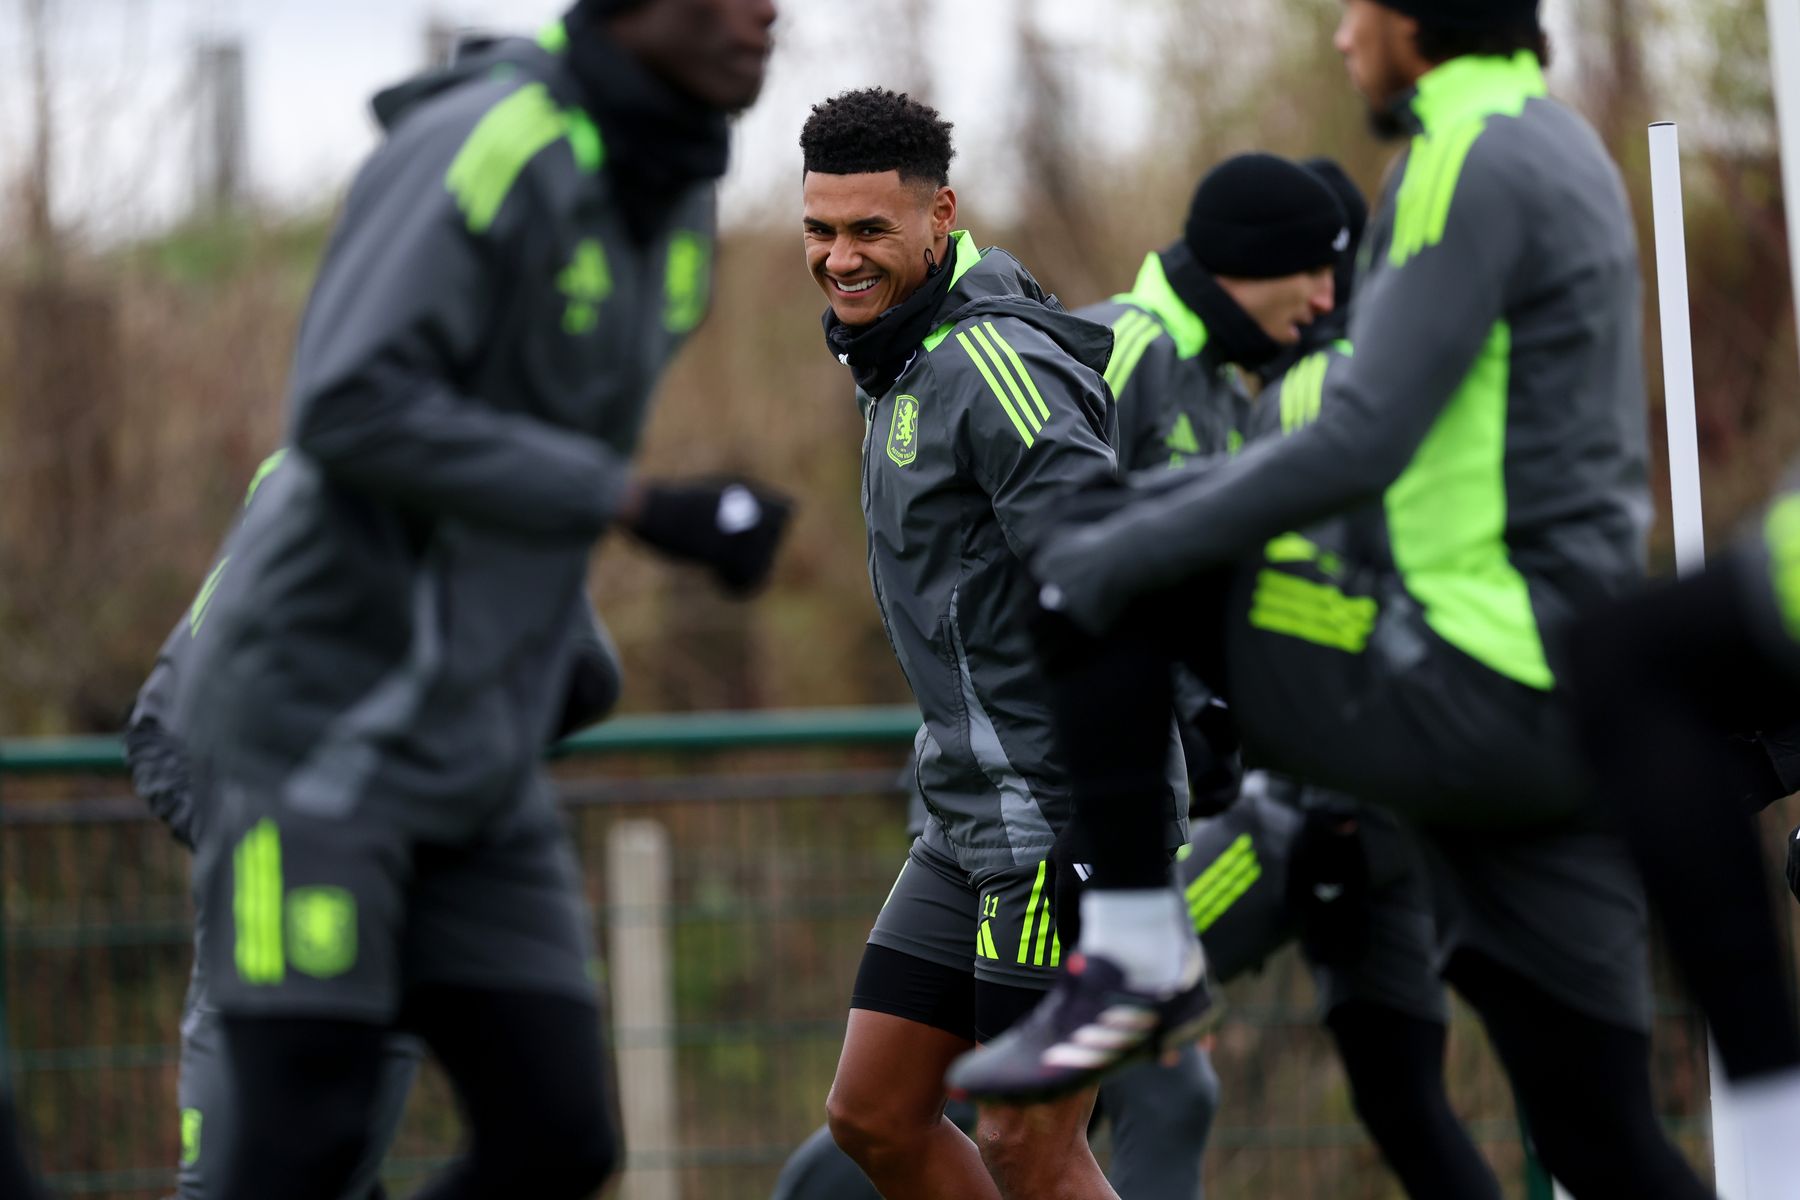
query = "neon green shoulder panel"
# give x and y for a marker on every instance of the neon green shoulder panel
(1154, 310)
(1453, 104)
(1153, 293)
(505, 140)
(1446, 518)
(1132, 334)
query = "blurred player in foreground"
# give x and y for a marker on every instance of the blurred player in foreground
(162, 777)
(1672, 686)
(385, 647)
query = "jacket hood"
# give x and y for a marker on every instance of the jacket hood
(474, 57)
(992, 282)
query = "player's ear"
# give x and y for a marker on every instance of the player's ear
(943, 211)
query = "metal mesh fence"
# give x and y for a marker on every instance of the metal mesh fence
(777, 860)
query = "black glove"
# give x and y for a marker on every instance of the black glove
(732, 526)
(1793, 863)
(1069, 870)
(1328, 887)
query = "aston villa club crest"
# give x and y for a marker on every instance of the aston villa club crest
(903, 433)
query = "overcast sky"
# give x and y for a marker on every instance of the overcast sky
(125, 99)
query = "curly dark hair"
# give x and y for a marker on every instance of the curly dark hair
(1439, 44)
(873, 129)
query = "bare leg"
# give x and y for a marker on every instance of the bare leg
(1040, 1151)
(886, 1111)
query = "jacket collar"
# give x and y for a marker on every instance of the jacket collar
(1153, 291)
(966, 255)
(1470, 88)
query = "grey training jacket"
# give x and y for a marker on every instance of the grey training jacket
(590, 680)
(472, 374)
(1494, 406)
(1000, 417)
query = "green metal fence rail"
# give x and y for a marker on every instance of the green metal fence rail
(655, 734)
(783, 832)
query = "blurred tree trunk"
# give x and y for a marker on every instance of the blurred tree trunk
(59, 410)
(1059, 238)
(912, 55)
(37, 186)
(1622, 104)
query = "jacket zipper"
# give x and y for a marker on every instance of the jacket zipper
(869, 519)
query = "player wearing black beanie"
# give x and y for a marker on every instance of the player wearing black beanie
(1258, 216)
(1249, 275)
(603, 8)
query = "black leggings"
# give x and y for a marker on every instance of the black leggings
(1112, 698)
(1583, 1085)
(1395, 1064)
(1663, 683)
(528, 1071)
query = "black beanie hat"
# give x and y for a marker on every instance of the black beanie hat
(1349, 196)
(595, 10)
(1356, 215)
(1468, 14)
(1258, 216)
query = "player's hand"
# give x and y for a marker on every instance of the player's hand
(732, 526)
(1793, 862)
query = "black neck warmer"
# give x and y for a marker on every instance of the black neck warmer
(659, 140)
(876, 353)
(1232, 336)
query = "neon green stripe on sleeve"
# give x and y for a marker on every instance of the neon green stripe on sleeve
(267, 468)
(1012, 357)
(203, 601)
(1232, 889)
(1130, 343)
(999, 365)
(962, 339)
(1224, 880)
